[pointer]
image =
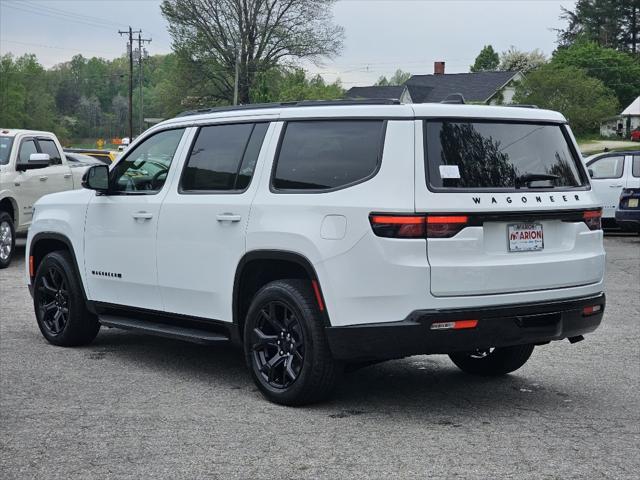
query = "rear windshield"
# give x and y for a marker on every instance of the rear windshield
(490, 155)
(5, 149)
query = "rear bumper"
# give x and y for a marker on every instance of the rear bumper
(628, 219)
(501, 326)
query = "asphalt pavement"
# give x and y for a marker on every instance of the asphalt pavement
(132, 406)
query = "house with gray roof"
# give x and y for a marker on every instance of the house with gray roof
(492, 88)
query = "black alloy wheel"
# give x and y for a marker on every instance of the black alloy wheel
(278, 344)
(53, 300)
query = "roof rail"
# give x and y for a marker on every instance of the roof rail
(454, 98)
(521, 105)
(302, 103)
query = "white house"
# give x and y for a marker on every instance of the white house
(623, 124)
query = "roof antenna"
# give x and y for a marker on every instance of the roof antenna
(454, 98)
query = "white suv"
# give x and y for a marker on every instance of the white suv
(323, 235)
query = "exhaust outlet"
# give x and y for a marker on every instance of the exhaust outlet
(577, 339)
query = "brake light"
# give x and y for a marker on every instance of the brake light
(593, 219)
(417, 226)
(445, 226)
(398, 226)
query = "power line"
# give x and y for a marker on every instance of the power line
(27, 9)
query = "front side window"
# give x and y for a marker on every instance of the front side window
(145, 168)
(477, 155)
(607, 167)
(328, 154)
(5, 149)
(49, 147)
(223, 157)
(26, 149)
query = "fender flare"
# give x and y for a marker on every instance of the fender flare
(284, 255)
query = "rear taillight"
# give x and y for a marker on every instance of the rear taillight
(417, 226)
(593, 219)
(591, 310)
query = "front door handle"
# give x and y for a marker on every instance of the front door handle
(67, 175)
(615, 186)
(142, 215)
(43, 178)
(228, 217)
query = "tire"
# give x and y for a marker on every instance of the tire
(7, 239)
(59, 303)
(492, 363)
(299, 370)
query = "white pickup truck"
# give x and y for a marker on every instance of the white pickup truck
(32, 164)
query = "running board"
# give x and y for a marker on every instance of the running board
(193, 335)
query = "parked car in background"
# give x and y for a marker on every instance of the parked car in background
(80, 159)
(32, 164)
(628, 212)
(105, 156)
(635, 135)
(610, 173)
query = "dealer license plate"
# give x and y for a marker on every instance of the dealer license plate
(633, 203)
(525, 237)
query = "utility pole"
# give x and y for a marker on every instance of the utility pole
(237, 79)
(130, 32)
(141, 56)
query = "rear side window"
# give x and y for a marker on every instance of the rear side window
(223, 157)
(476, 155)
(26, 149)
(5, 149)
(49, 147)
(325, 155)
(635, 170)
(607, 167)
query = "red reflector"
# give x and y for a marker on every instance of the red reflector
(456, 325)
(316, 290)
(31, 269)
(591, 310)
(447, 219)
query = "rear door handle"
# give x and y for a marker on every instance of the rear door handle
(228, 217)
(142, 215)
(615, 186)
(43, 178)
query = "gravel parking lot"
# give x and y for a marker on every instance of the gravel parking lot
(131, 406)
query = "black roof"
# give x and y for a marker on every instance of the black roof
(378, 91)
(474, 87)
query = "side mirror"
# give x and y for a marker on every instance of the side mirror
(36, 160)
(96, 178)
(590, 173)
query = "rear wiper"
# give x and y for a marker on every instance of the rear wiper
(527, 178)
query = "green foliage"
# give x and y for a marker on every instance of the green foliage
(585, 101)
(398, 78)
(619, 71)
(284, 85)
(486, 61)
(518, 61)
(609, 23)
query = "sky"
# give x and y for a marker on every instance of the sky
(380, 35)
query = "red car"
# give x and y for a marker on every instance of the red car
(635, 135)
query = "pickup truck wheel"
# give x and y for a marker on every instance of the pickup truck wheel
(494, 361)
(59, 304)
(285, 345)
(7, 239)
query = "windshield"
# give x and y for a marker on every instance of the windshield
(480, 155)
(5, 149)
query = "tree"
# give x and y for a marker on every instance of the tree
(619, 71)
(257, 35)
(283, 85)
(487, 61)
(610, 23)
(585, 101)
(517, 60)
(398, 78)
